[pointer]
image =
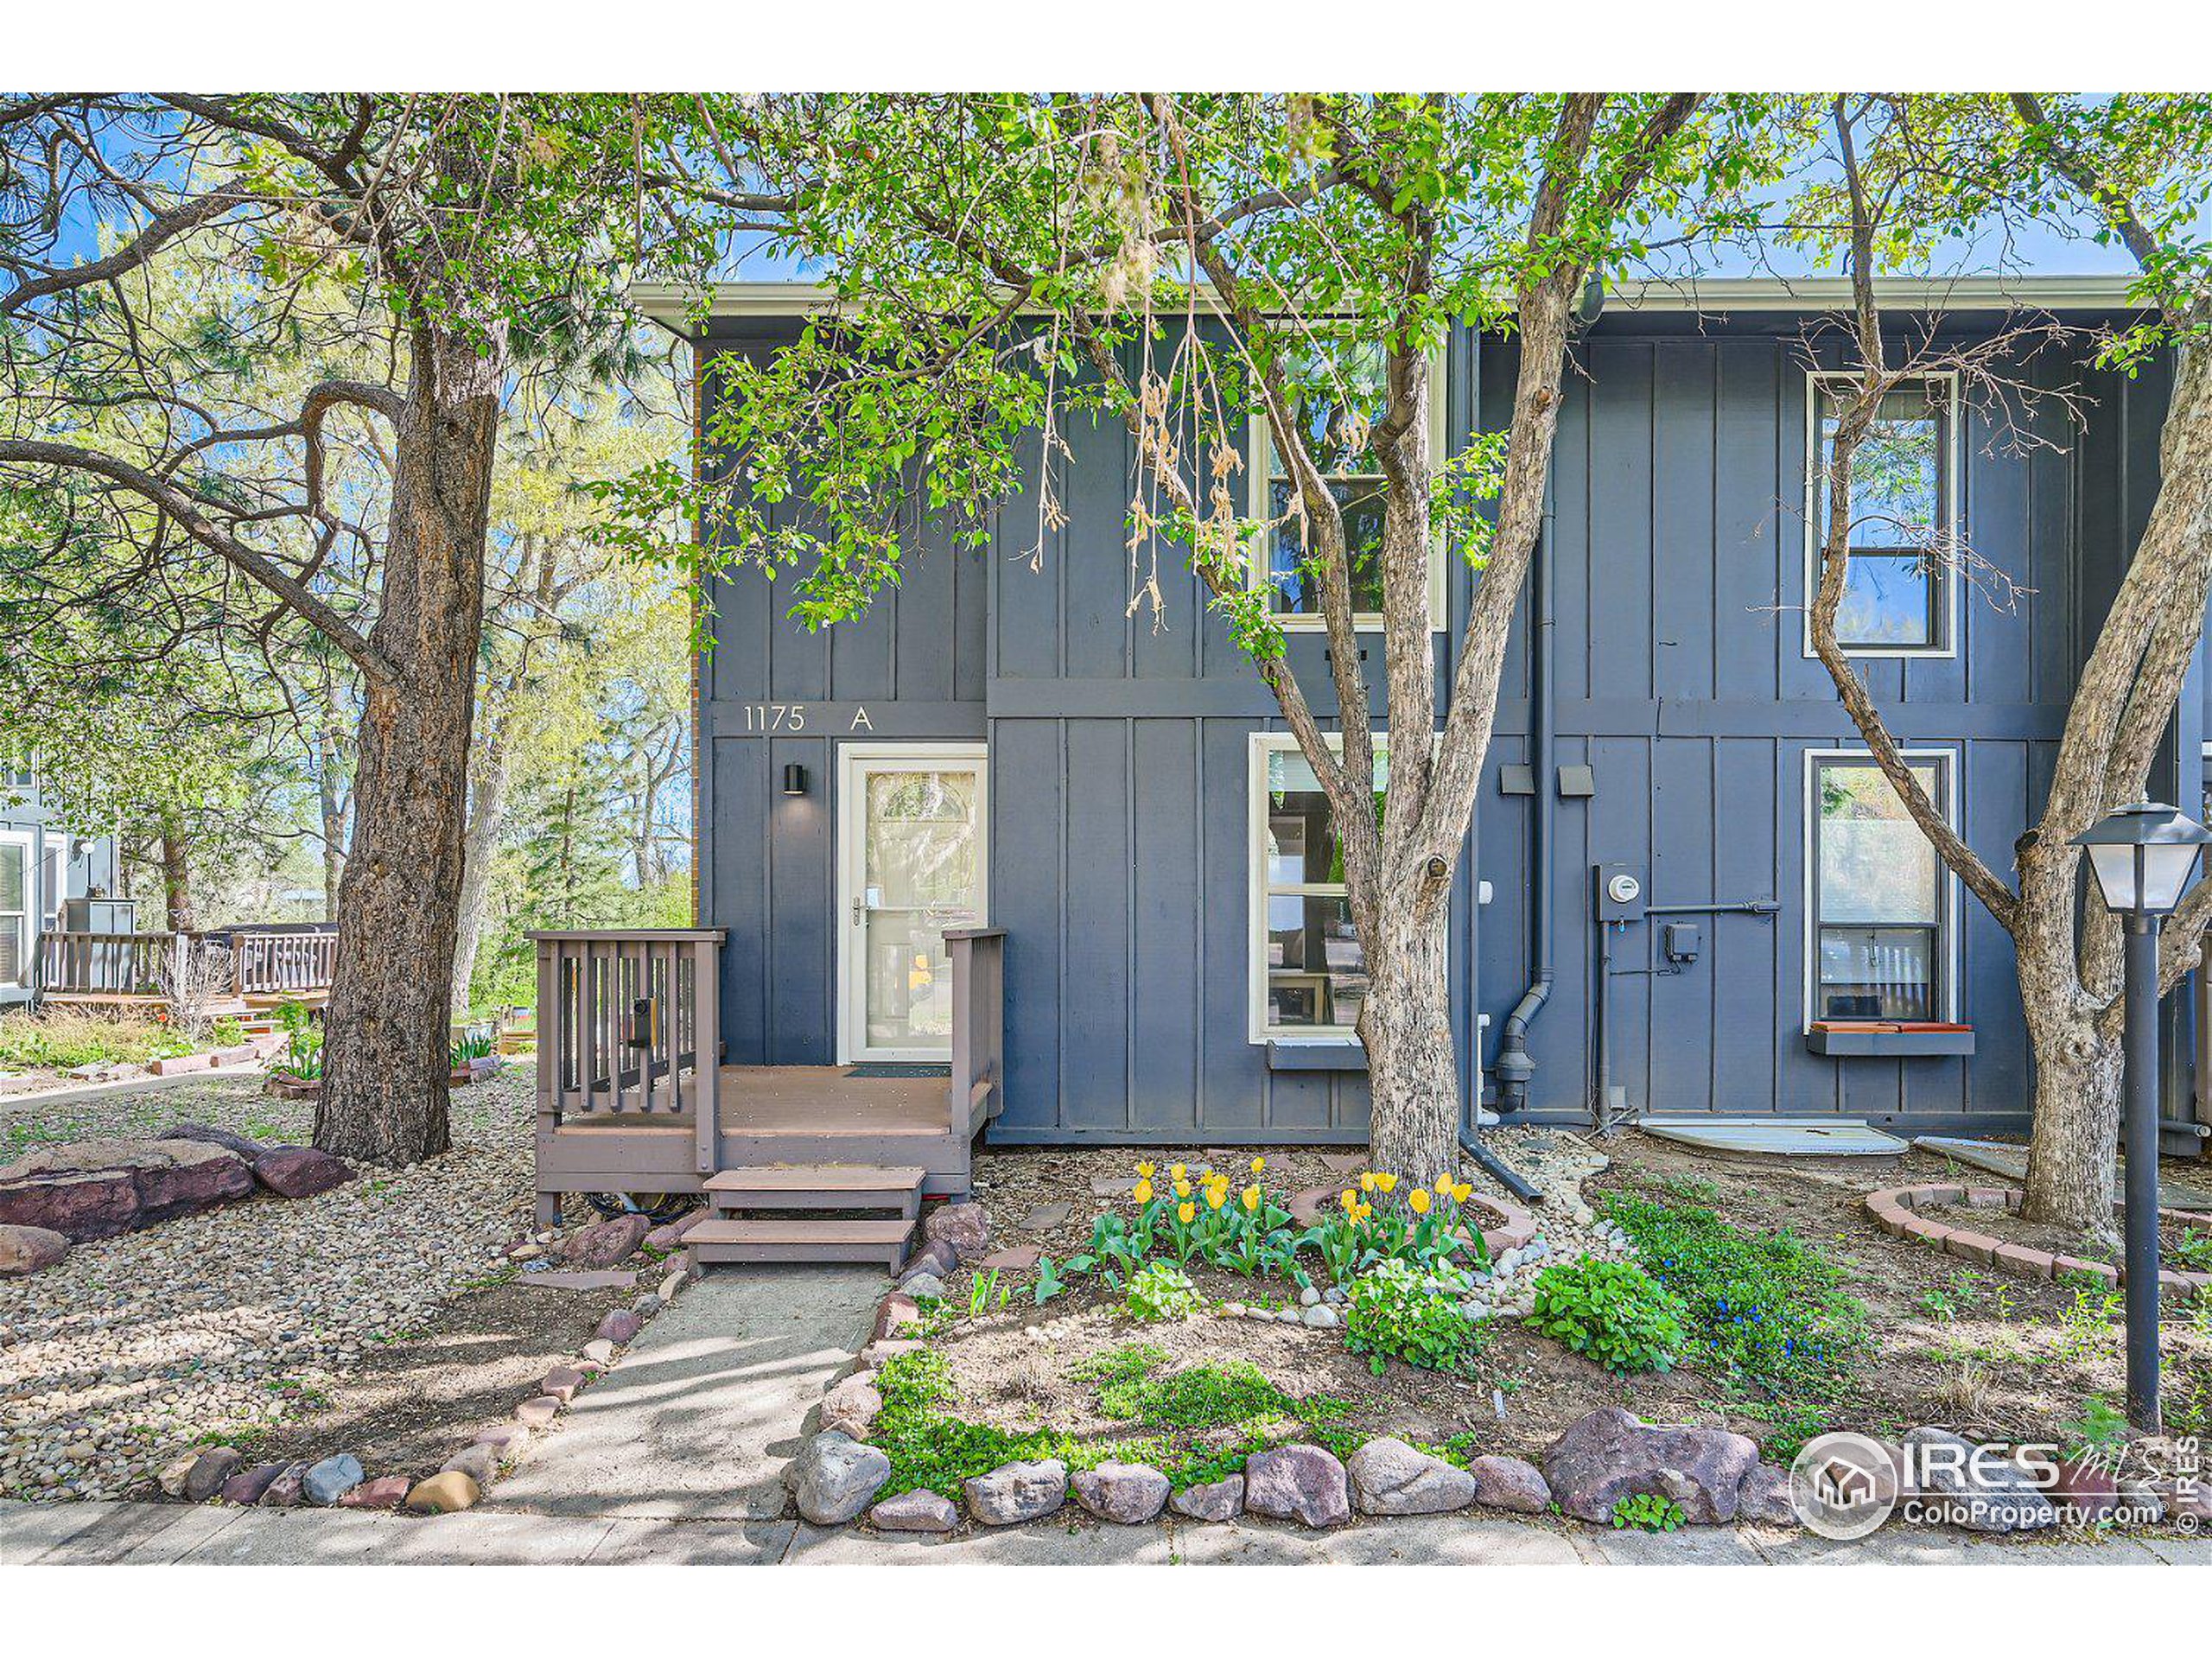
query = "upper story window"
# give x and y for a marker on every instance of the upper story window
(1308, 970)
(1336, 418)
(1882, 910)
(1900, 584)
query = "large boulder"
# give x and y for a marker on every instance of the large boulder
(1298, 1483)
(300, 1172)
(98, 1188)
(605, 1242)
(1389, 1477)
(189, 1176)
(1015, 1492)
(1126, 1493)
(1610, 1455)
(1985, 1489)
(99, 1204)
(30, 1250)
(961, 1228)
(835, 1478)
(1509, 1483)
(1765, 1500)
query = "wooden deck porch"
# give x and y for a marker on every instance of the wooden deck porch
(624, 1019)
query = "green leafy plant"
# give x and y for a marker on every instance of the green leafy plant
(1613, 1312)
(477, 1043)
(2192, 1249)
(1766, 1308)
(1161, 1291)
(1392, 1314)
(986, 1294)
(2101, 1426)
(1647, 1512)
(1049, 1283)
(302, 1054)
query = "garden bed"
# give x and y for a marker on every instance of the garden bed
(1798, 1316)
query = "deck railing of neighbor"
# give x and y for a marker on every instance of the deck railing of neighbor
(629, 1020)
(148, 966)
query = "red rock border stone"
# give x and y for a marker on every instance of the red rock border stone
(1895, 1211)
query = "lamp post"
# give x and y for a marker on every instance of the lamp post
(2143, 856)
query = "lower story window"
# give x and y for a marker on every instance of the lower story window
(1309, 971)
(14, 911)
(1881, 900)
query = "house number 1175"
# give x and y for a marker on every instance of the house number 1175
(775, 716)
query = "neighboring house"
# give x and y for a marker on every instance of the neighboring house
(42, 863)
(1006, 741)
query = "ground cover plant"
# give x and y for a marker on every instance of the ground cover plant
(61, 1040)
(1765, 1310)
(1612, 1311)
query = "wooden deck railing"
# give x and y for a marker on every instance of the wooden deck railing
(629, 1020)
(978, 1021)
(281, 965)
(152, 964)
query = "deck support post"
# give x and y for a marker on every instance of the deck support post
(707, 1066)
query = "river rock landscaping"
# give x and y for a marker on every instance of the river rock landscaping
(1218, 1331)
(387, 1318)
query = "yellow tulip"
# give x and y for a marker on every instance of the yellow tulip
(1252, 1198)
(1462, 1191)
(1214, 1196)
(1185, 1213)
(1444, 1185)
(1176, 1171)
(1145, 1170)
(1419, 1199)
(1143, 1193)
(1367, 1180)
(1363, 1211)
(1182, 1189)
(1349, 1200)
(1386, 1181)
(1259, 1163)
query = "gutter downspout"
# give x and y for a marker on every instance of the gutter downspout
(1515, 1066)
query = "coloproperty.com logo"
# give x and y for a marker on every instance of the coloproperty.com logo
(1844, 1485)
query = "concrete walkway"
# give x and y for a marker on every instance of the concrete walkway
(699, 1419)
(135, 1534)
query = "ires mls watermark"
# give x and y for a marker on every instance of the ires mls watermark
(1844, 1485)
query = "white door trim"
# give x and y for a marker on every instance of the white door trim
(854, 759)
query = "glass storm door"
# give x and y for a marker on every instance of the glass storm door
(911, 823)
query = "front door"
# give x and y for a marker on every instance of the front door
(912, 863)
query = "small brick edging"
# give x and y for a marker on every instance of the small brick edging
(1895, 1211)
(465, 1477)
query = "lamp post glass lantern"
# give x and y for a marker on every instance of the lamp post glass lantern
(2143, 856)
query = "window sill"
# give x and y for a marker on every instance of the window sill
(1316, 1056)
(1889, 1042)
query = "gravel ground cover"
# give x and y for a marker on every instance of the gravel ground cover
(232, 1323)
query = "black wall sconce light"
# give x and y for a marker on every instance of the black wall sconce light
(794, 780)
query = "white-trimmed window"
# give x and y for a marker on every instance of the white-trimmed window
(1900, 596)
(1308, 970)
(16, 930)
(1881, 909)
(1337, 426)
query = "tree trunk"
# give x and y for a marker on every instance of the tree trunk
(1413, 1068)
(488, 817)
(182, 915)
(2071, 1157)
(332, 801)
(385, 1058)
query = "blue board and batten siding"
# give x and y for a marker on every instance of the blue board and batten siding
(1119, 753)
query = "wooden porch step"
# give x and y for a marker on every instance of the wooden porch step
(819, 1186)
(723, 1239)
